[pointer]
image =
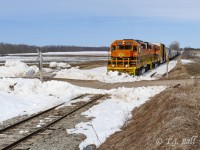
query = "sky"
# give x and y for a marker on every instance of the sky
(99, 22)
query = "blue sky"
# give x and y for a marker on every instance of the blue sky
(99, 22)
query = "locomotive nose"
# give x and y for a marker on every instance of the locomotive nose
(121, 54)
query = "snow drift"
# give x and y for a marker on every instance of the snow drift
(16, 68)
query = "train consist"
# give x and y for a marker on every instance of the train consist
(135, 56)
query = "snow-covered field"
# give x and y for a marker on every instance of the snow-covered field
(112, 77)
(82, 53)
(71, 57)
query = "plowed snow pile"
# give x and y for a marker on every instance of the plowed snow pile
(16, 68)
(27, 96)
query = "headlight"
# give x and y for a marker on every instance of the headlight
(113, 65)
(126, 65)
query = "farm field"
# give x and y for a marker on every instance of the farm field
(132, 107)
(70, 57)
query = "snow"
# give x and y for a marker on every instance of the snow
(16, 68)
(59, 65)
(162, 69)
(101, 74)
(158, 44)
(28, 96)
(186, 61)
(73, 102)
(111, 114)
(23, 131)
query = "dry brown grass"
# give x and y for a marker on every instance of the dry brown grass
(179, 72)
(193, 68)
(190, 54)
(185, 71)
(174, 113)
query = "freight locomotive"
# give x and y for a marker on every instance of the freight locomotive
(135, 56)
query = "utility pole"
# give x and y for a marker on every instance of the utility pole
(40, 64)
(167, 55)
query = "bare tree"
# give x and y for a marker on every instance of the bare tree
(174, 45)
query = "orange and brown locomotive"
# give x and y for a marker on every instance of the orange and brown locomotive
(135, 56)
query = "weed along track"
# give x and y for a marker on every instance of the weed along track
(19, 135)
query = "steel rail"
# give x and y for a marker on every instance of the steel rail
(96, 97)
(29, 118)
(38, 114)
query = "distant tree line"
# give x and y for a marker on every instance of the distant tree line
(189, 52)
(12, 48)
(190, 48)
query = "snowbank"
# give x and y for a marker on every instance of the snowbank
(111, 114)
(27, 96)
(112, 77)
(16, 68)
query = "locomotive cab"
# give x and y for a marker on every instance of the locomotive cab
(127, 55)
(123, 48)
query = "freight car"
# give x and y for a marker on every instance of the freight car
(173, 53)
(135, 56)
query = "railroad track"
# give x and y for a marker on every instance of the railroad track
(16, 134)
